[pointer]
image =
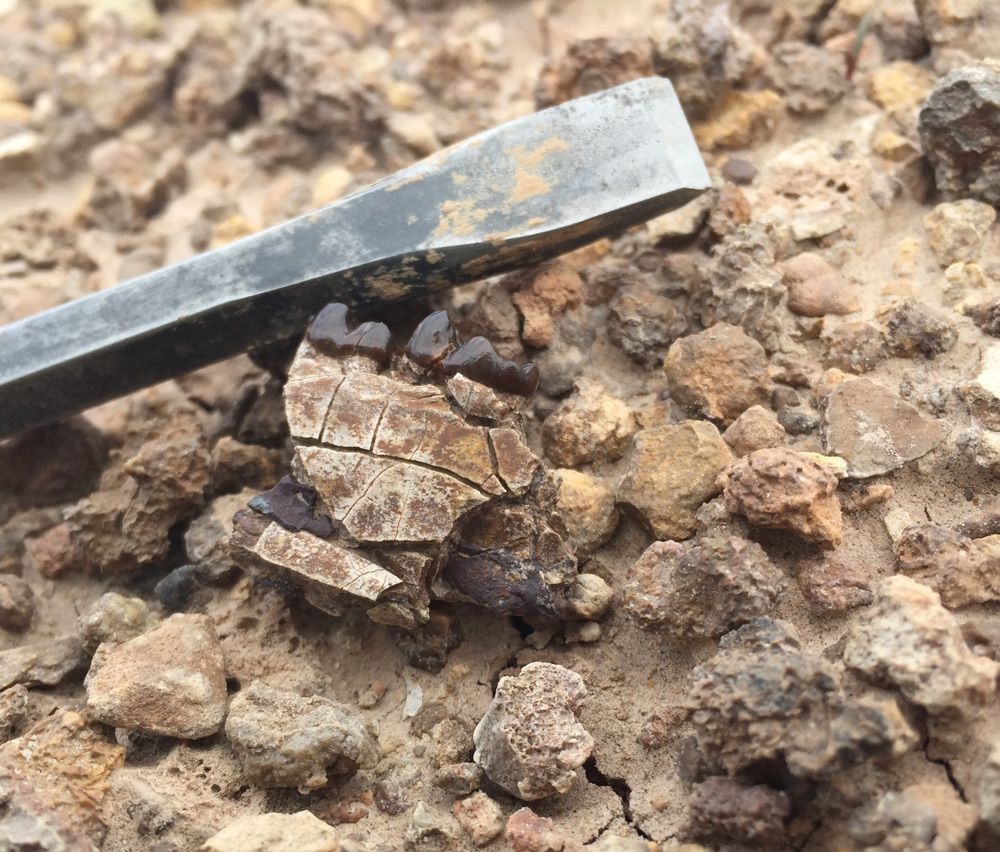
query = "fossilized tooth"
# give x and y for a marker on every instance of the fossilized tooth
(432, 340)
(330, 333)
(400, 466)
(478, 360)
(293, 505)
(507, 559)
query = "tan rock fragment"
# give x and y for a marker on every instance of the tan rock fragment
(956, 818)
(169, 681)
(784, 489)
(587, 507)
(982, 394)
(755, 429)
(589, 597)
(53, 780)
(955, 229)
(815, 288)
(719, 372)
(113, 618)
(277, 832)
(530, 742)
(962, 570)
(43, 663)
(899, 84)
(743, 119)
(237, 465)
(590, 426)
(673, 470)
(913, 643)
(287, 740)
(156, 479)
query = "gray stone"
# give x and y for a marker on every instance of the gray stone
(960, 132)
(874, 430)
(286, 740)
(530, 742)
(41, 663)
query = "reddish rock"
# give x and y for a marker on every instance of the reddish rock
(549, 292)
(718, 373)
(815, 288)
(481, 818)
(832, 588)
(786, 490)
(528, 832)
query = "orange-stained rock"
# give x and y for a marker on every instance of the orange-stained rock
(787, 490)
(53, 780)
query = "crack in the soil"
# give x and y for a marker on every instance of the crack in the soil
(946, 766)
(620, 787)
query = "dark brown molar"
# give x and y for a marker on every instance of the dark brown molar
(432, 340)
(293, 505)
(330, 334)
(506, 558)
(478, 360)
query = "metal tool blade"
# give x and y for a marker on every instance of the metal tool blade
(520, 193)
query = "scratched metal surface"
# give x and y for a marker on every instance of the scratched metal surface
(519, 193)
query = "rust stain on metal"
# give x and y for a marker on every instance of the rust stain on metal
(414, 178)
(459, 218)
(527, 182)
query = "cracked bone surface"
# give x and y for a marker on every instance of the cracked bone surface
(403, 465)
